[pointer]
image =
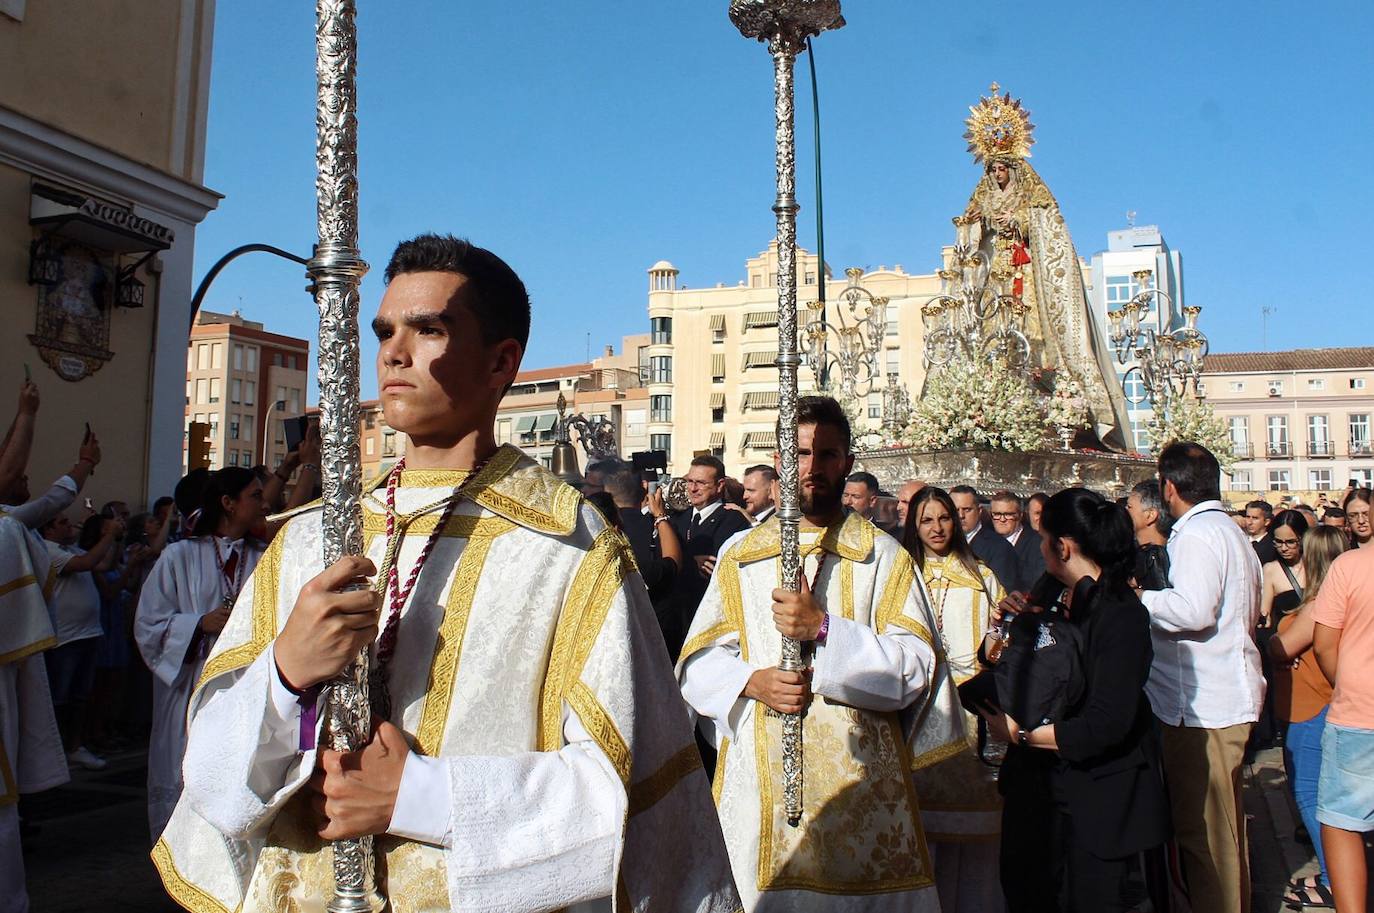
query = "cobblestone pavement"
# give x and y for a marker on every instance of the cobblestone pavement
(90, 849)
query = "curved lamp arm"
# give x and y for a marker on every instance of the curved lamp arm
(228, 258)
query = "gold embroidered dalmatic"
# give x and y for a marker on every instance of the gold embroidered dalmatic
(860, 845)
(540, 613)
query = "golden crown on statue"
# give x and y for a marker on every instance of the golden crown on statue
(999, 128)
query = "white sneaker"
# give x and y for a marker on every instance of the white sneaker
(84, 757)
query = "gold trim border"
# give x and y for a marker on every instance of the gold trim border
(37, 646)
(448, 648)
(645, 794)
(601, 728)
(266, 579)
(17, 584)
(178, 888)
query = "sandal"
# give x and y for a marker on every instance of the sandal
(1316, 896)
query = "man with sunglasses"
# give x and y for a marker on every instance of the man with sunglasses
(702, 529)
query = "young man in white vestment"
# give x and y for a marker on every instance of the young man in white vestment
(183, 606)
(530, 748)
(878, 699)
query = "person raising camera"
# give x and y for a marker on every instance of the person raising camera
(1084, 794)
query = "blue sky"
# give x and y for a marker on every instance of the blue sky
(582, 142)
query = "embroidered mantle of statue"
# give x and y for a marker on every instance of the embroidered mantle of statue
(1021, 230)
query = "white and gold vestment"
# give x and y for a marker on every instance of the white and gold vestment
(31, 755)
(883, 706)
(552, 761)
(960, 807)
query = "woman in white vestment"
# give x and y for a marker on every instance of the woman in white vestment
(960, 807)
(181, 610)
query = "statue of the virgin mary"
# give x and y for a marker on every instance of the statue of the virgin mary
(1024, 236)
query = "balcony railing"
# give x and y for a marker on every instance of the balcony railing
(1361, 448)
(1242, 449)
(1278, 449)
(1321, 449)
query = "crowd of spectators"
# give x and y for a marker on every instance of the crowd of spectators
(95, 563)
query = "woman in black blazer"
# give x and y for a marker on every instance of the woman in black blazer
(1085, 795)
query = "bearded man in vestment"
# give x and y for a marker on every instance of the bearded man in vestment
(530, 749)
(31, 754)
(878, 700)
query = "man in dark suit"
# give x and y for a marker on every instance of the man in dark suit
(1258, 516)
(656, 547)
(1009, 520)
(702, 530)
(990, 548)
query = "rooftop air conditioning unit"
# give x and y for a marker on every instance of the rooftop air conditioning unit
(1276, 389)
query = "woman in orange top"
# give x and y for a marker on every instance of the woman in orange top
(1301, 694)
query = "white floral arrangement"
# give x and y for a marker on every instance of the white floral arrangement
(971, 403)
(1188, 418)
(1067, 406)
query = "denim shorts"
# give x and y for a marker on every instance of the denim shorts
(1345, 792)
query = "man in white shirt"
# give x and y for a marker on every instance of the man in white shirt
(74, 605)
(758, 492)
(1205, 683)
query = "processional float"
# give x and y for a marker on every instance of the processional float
(785, 25)
(336, 270)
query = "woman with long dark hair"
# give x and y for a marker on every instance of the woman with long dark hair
(960, 809)
(1283, 579)
(1085, 795)
(183, 606)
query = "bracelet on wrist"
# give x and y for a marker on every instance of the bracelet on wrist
(309, 467)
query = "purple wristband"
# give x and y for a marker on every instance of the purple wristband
(309, 704)
(825, 628)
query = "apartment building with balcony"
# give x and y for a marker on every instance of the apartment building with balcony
(1300, 420)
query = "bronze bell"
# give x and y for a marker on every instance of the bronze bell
(563, 464)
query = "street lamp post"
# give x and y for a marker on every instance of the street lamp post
(280, 406)
(785, 25)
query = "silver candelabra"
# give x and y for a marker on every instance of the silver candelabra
(976, 315)
(1168, 364)
(847, 349)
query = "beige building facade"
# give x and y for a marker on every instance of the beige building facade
(102, 146)
(1300, 420)
(609, 386)
(243, 380)
(712, 384)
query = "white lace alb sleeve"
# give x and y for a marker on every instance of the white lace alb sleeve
(243, 757)
(713, 683)
(862, 668)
